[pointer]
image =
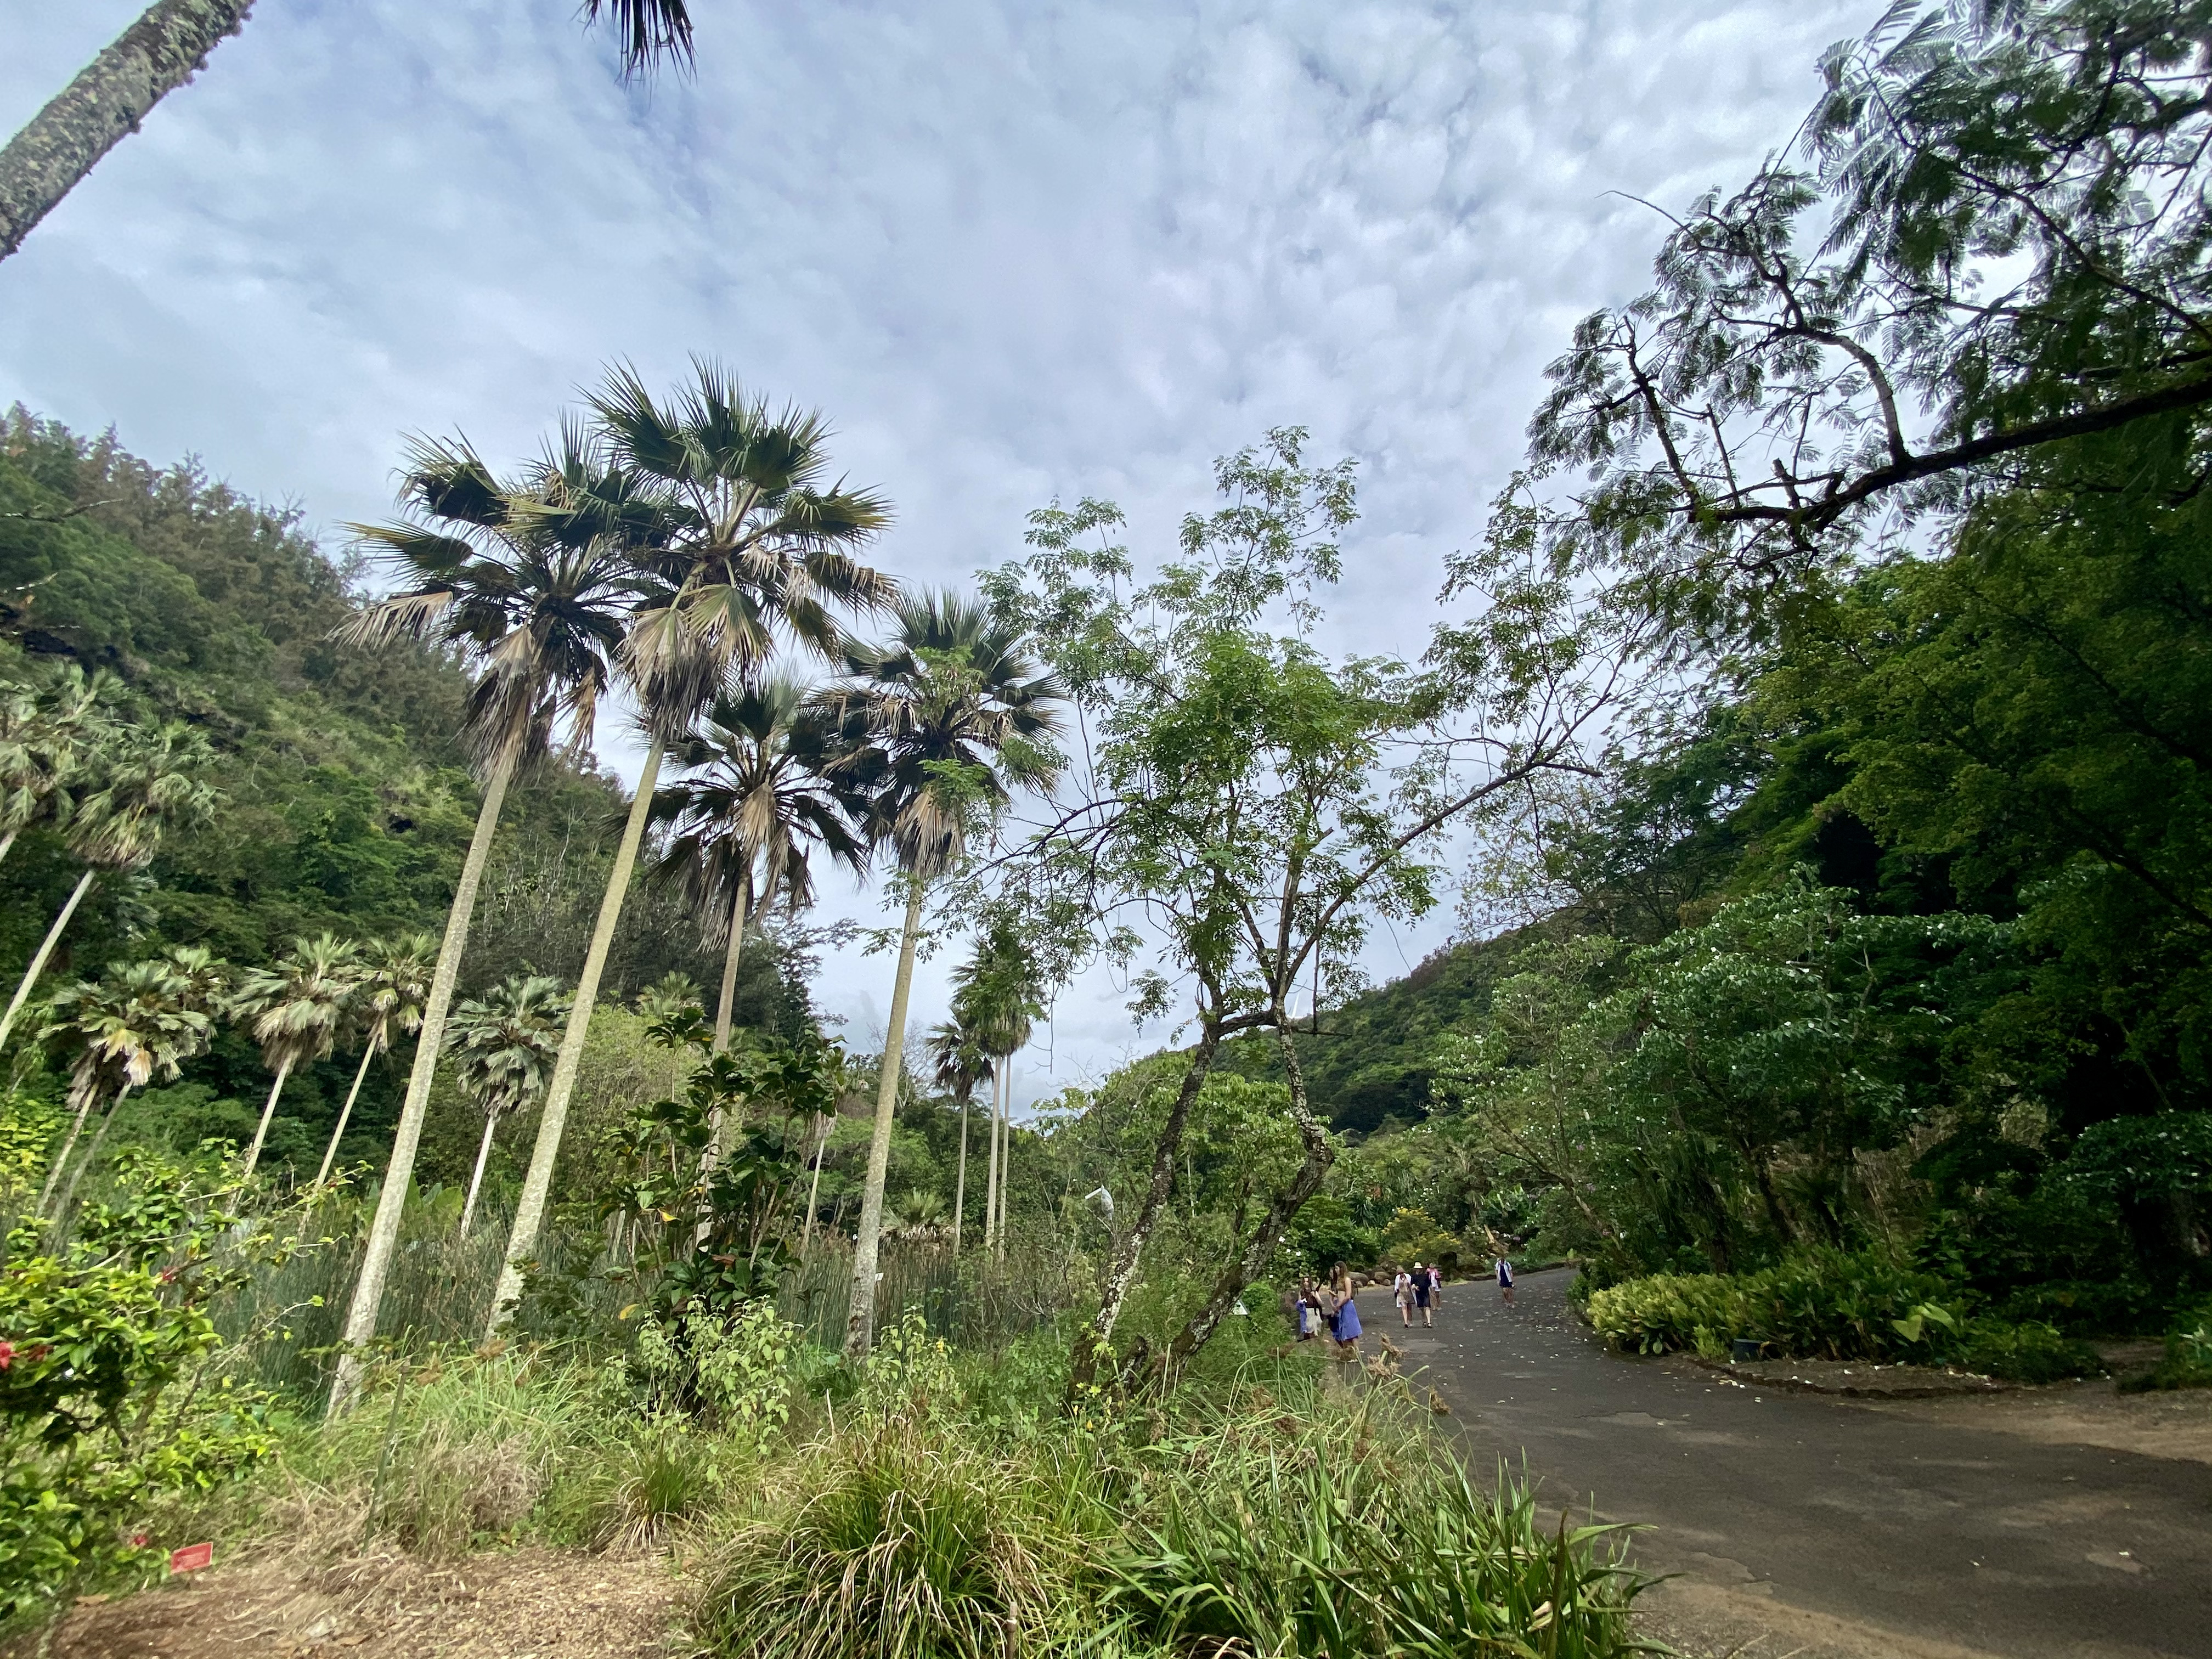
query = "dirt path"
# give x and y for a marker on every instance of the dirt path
(2033, 1524)
(531, 1604)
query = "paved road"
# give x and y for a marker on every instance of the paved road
(1808, 1523)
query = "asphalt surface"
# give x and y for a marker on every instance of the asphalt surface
(1808, 1523)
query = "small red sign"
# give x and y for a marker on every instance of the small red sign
(191, 1558)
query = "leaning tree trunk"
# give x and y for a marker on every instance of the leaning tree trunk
(537, 1184)
(268, 1111)
(43, 954)
(345, 1113)
(1252, 1262)
(476, 1177)
(391, 1203)
(7, 841)
(960, 1183)
(91, 1153)
(1006, 1162)
(61, 1158)
(860, 1317)
(110, 97)
(814, 1186)
(1095, 1340)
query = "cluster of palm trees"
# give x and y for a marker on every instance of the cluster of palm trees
(995, 1000)
(141, 1021)
(75, 761)
(677, 550)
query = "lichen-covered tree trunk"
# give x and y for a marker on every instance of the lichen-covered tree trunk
(391, 1203)
(1095, 1340)
(110, 96)
(537, 1184)
(960, 1181)
(861, 1316)
(725, 1010)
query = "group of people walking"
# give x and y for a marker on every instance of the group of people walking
(1332, 1305)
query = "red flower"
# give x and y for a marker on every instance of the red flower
(7, 1354)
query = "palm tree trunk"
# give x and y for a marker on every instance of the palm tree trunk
(61, 1158)
(860, 1318)
(110, 97)
(7, 841)
(960, 1183)
(1005, 1155)
(345, 1113)
(391, 1203)
(91, 1153)
(44, 953)
(725, 1010)
(476, 1177)
(537, 1184)
(991, 1181)
(268, 1111)
(814, 1186)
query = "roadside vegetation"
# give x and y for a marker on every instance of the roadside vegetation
(414, 1138)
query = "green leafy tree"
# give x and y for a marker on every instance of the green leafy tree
(938, 728)
(1251, 807)
(1990, 239)
(168, 44)
(744, 544)
(505, 1042)
(295, 1009)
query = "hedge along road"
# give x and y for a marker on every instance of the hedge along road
(1818, 1526)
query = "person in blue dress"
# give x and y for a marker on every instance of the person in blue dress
(1346, 1321)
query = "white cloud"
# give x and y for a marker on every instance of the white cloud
(1017, 250)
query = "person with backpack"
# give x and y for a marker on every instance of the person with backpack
(1401, 1292)
(1425, 1281)
(1505, 1281)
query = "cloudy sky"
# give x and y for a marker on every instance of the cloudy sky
(1017, 250)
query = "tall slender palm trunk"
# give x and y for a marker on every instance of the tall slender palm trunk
(110, 96)
(91, 1153)
(61, 1158)
(476, 1177)
(7, 841)
(725, 1010)
(391, 1203)
(537, 1184)
(860, 1318)
(814, 1186)
(268, 1111)
(991, 1181)
(43, 954)
(1005, 1160)
(960, 1183)
(345, 1113)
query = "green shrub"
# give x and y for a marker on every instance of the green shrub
(1349, 1536)
(906, 1541)
(2188, 1361)
(1831, 1305)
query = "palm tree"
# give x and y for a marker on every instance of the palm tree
(142, 780)
(938, 727)
(141, 1022)
(168, 44)
(528, 579)
(47, 735)
(296, 1010)
(995, 994)
(753, 548)
(753, 802)
(395, 981)
(506, 1042)
(961, 1064)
